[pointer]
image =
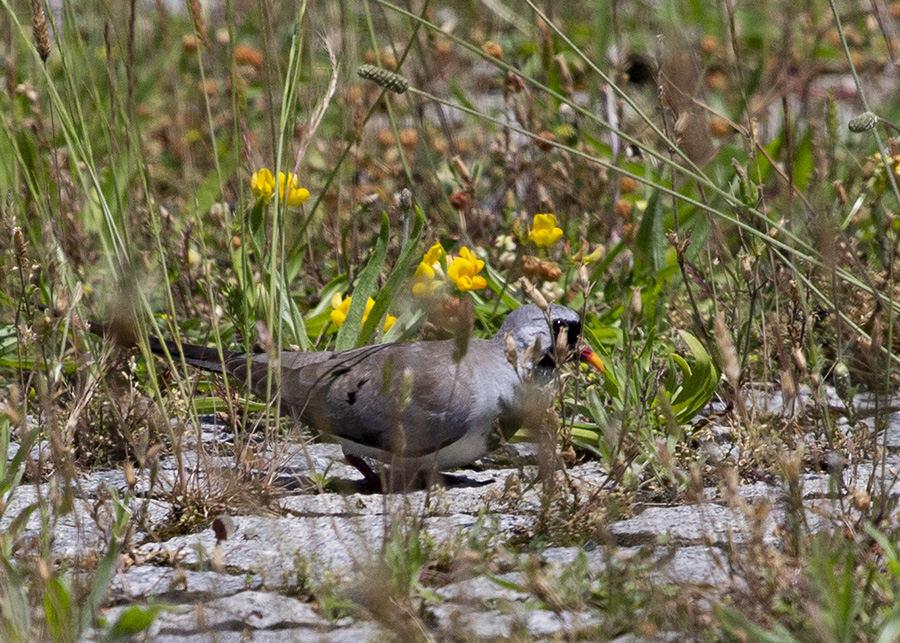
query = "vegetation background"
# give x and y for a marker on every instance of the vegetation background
(723, 174)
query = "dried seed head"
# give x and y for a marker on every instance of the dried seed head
(565, 74)
(19, 239)
(45, 570)
(562, 343)
(860, 499)
(730, 363)
(511, 351)
(842, 380)
(461, 200)
(265, 337)
(534, 351)
(461, 169)
(199, 21)
(406, 388)
(544, 200)
(387, 79)
(582, 281)
(623, 209)
(491, 48)
(747, 268)
(130, 475)
(544, 140)
(536, 296)
(41, 33)
(665, 456)
(404, 199)
(636, 306)
(841, 192)
(788, 390)
(11, 78)
(629, 185)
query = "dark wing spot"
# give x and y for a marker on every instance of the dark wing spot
(341, 370)
(351, 395)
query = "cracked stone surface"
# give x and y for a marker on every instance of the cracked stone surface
(168, 583)
(495, 624)
(255, 586)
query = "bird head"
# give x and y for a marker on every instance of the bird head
(536, 331)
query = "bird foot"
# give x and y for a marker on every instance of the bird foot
(372, 479)
(397, 480)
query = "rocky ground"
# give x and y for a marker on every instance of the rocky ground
(251, 576)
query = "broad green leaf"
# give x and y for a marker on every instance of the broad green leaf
(651, 235)
(348, 333)
(256, 221)
(133, 620)
(698, 382)
(395, 280)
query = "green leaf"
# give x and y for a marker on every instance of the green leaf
(396, 279)
(348, 333)
(651, 236)
(103, 574)
(256, 222)
(58, 609)
(698, 382)
(20, 521)
(132, 621)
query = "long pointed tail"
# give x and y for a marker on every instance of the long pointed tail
(202, 357)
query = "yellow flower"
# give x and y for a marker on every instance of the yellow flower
(295, 194)
(340, 308)
(435, 253)
(424, 282)
(464, 269)
(263, 184)
(544, 232)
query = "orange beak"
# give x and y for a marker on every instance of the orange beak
(590, 357)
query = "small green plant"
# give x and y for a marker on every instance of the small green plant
(853, 594)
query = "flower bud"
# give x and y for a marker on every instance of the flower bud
(387, 79)
(636, 306)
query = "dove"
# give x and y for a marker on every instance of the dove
(417, 406)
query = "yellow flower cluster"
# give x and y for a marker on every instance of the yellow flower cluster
(263, 184)
(425, 280)
(341, 306)
(544, 232)
(463, 272)
(464, 269)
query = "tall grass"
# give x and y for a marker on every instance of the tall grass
(128, 143)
